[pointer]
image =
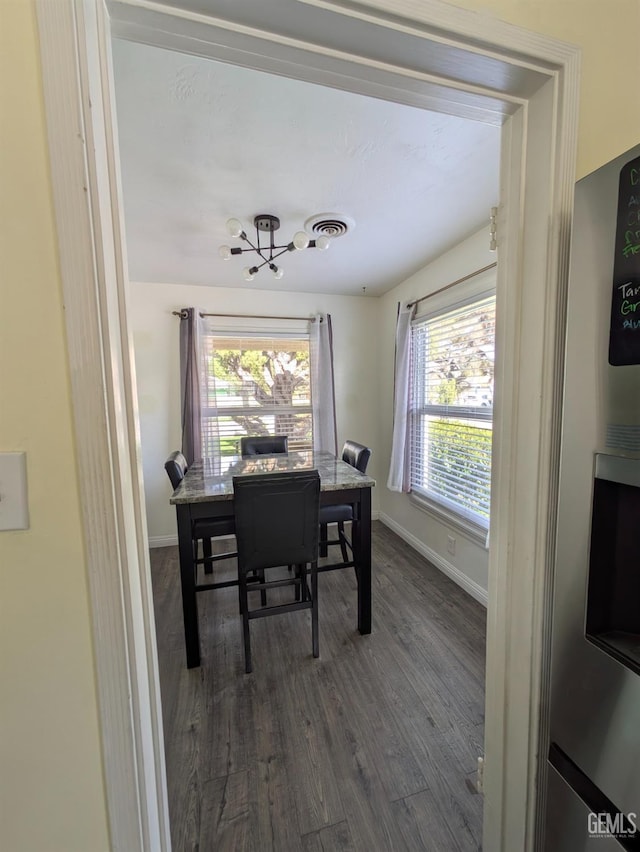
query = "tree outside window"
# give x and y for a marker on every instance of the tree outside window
(255, 385)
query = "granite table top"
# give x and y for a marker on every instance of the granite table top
(212, 479)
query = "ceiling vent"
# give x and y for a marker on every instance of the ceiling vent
(329, 225)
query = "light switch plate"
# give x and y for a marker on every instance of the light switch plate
(14, 505)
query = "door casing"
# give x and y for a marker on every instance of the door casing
(505, 75)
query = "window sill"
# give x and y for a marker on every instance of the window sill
(474, 532)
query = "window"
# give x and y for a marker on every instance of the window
(452, 408)
(254, 384)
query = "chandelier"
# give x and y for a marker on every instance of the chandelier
(266, 223)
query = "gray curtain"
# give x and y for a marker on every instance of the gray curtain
(323, 396)
(190, 384)
(399, 473)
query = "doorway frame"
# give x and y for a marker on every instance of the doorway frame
(539, 94)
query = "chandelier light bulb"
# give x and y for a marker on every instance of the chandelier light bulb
(300, 240)
(323, 243)
(249, 274)
(225, 252)
(277, 271)
(234, 226)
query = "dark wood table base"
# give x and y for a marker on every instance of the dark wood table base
(361, 541)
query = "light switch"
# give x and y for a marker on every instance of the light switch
(14, 506)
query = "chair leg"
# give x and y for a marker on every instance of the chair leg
(263, 592)
(343, 546)
(315, 642)
(324, 535)
(244, 609)
(207, 553)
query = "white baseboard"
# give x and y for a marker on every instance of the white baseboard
(470, 586)
(163, 540)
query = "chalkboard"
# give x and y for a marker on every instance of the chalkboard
(624, 338)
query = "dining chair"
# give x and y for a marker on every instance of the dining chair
(357, 455)
(276, 520)
(204, 529)
(268, 445)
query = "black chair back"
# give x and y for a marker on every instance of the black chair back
(276, 519)
(357, 455)
(176, 467)
(264, 445)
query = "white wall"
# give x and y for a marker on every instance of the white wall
(469, 565)
(155, 334)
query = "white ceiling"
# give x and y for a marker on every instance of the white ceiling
(201, 141)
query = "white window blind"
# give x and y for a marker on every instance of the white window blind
(452, 408)
(254, 384)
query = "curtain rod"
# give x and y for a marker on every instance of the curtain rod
(182, 314)
(453, 284)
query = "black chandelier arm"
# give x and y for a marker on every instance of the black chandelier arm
(263, 258)
(243, 251)
(291, 246)
(265, 262)
(280, 250)
(259, 251)
(284, 250)
(244, 237)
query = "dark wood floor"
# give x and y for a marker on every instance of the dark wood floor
(372, 747)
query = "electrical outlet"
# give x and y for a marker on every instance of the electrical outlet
(451, 545)
(480, 778)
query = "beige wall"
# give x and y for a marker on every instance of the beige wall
(607, 33)
(52, 794)
(51, 787)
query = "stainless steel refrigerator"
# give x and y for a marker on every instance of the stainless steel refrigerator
(593, 767)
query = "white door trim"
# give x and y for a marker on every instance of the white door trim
(73, 37)
(539, 97)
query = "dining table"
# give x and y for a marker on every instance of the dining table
(207, 492)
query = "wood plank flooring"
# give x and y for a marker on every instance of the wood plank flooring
(373, 747)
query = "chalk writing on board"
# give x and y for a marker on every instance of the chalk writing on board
(624, 338)
(631, 244)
